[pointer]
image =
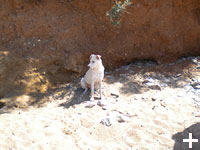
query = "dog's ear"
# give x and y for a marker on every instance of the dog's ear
(98, 56)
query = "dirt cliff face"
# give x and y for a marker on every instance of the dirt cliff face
(45, 42)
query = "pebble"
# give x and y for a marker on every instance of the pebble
(178, 75)
(164, 85)
(153, 107)
(101, 103)
(195, 60)
(163, 105)
(152, 84)
(196, 85)
(115, 93)
(90, 104)
(104, 108)
(120, 119)
(155, 87)
(106, 122)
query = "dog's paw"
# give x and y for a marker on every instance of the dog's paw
(101, 97)
(92, 99)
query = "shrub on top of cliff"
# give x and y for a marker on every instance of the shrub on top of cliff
(115, 13)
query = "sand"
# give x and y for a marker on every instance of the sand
(141, 115)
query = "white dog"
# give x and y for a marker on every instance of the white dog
(94, 76)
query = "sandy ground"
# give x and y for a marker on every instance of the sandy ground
(145, 107)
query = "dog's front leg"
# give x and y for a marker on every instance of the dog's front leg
(100, 89)
(92, 91)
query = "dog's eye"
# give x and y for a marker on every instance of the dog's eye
(92, 61)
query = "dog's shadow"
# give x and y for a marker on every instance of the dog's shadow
(77, 98)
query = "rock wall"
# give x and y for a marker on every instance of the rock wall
(46, 42)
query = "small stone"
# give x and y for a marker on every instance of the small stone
(120, 119)
(90, 104)
(106, 122)
(178, 75)
(101, 103)
(145, 81)
(196, 85)
(115, 93)
(198, 116)
(163, 85)
(104, 108)
(67, 131)
(153, 99)
(155, 87)
(195, 61)
(162, 105)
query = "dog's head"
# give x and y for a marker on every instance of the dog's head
(95, 61)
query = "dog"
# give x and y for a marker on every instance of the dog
(94, 76)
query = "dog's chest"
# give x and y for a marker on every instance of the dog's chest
(94, 75)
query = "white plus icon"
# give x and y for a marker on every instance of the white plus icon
(190, 140)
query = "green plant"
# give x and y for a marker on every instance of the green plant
(115, 13)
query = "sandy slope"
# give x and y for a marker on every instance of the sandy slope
(144, 108)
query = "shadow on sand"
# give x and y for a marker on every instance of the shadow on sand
(131, 78)
(178, 138)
